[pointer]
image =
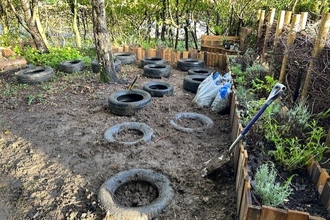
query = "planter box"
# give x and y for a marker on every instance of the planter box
(214, 43)
(245, 209)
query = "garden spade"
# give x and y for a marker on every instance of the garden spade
(130, 87)
(223, 158)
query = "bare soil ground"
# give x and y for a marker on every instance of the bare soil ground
(54, 157)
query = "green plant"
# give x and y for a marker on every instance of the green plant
(271, 192)
(263, 86)
(296, 144)
(53, 58)
(238, 75)
(34, 98)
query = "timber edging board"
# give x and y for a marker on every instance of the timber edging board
(245, 209)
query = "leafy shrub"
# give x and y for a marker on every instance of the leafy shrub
(271, 192)
(53, 58)
(297, 138)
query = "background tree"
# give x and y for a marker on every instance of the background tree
(27, 13)
(102, 43)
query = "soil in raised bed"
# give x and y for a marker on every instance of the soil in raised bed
(304, 196)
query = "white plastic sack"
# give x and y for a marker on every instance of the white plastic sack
(226, 78)
(207, 90)
(222, 98)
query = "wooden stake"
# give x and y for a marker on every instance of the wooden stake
(279, 27)
(318, 47)
(185, 54)
(287, 18)
(139, 54)
(303, 21)
(291, 37)
(269, 26)
(261, 22)
(327, 141)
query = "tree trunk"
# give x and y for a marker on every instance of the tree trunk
(74, 23)
(4, 18)
(103, 47)
(30, 21)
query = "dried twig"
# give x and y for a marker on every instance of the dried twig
(162, 137)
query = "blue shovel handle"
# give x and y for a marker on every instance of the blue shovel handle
(277, 91)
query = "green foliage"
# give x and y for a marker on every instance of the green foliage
(266, 187)
(53, 58)
(10, 39)
(297, 139)
(315, 7)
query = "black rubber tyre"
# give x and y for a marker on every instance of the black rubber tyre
(157, 71)
(96, 67)
(110, 133)
(117, 211)
(152, 60)
(200, 71)
(159, 89)
(207, 122)
(72, 66)
(34, 75)
(126, 58)
(191, 82)
(127, 102)
(186, 64)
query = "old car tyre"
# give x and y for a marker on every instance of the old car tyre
(96, 67)
(159, 89)
(152, 60)
(117, 211)
(34, 75)
(110, 133)
(157, 71)
(186, 64)
(200, 71)
(126, 58)
(191, 82)
(71, 66)
(127, 102)
(207, 122)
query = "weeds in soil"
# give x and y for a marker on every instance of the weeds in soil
(266, 187)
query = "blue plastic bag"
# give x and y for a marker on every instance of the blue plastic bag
(222, 98)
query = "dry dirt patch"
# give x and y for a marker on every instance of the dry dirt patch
(54, 157)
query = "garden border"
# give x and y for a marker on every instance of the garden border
(245, 209)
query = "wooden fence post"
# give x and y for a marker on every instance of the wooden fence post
(303, 21)
(287, 18)
(120, 49)
(269, 26)
(318, 47)
(139, 55)
(279, 27)
(291, 37)
(327, 142)
(261, 22)
(185, 54)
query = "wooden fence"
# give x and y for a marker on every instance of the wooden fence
(296, 23)
(212, 60)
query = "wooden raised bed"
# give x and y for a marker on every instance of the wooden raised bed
(245, 209)
(214, 43)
